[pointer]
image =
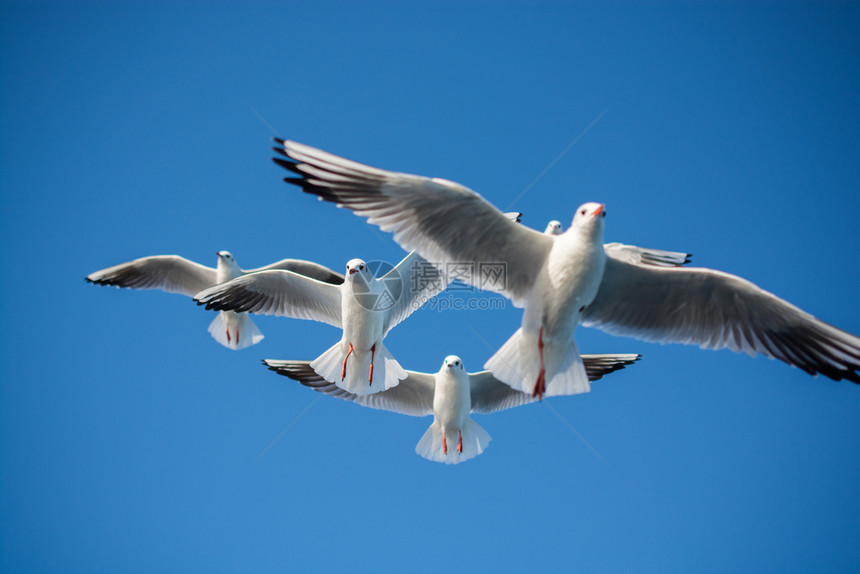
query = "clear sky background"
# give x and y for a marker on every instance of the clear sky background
(131, 442)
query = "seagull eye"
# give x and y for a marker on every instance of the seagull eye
(582, 212)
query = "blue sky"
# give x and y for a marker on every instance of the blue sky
(130, 441)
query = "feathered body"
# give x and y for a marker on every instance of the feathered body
(348, 362)
(453, 437)
(561, 290)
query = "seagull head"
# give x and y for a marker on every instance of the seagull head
(227, 264)
(453, 362)
(588, 220)
(355, 266)
(553, 228)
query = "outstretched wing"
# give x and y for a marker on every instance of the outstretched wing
(715, 310)
(306, 268)
(598, 366)
(413, 396)
(490, 395)
(443, 221)
(170, 273)
(281, 293)
(645, 256)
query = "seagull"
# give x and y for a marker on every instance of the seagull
(450, 395)
(364, 306)
(175, 274)
(563, 280)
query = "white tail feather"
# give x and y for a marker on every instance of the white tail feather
(475, 440)
(328, 365)
(517, 364)
(243, 331)
(387, 372)
(570, 377)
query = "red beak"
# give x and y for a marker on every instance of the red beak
(599, 209)
(353, 270)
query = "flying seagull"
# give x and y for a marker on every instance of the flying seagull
(571, 278)
(450, 395)
(176, 274)
(365, 307)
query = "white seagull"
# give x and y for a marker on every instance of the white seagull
(175, 274)
(365, 307)
(571, 278)
(450, 395)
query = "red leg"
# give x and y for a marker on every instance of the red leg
(540, 384)
(444, 444)
(229, 340)
(460, 442)
(237, 336)
(372, 352)
(343, 370)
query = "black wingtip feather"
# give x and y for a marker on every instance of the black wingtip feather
(279, 140)
(286, 164)
(292, 167)
(216, 306)
(323, 193)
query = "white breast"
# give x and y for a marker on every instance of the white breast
(362, 326)
(570, 282)
(452, 400)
